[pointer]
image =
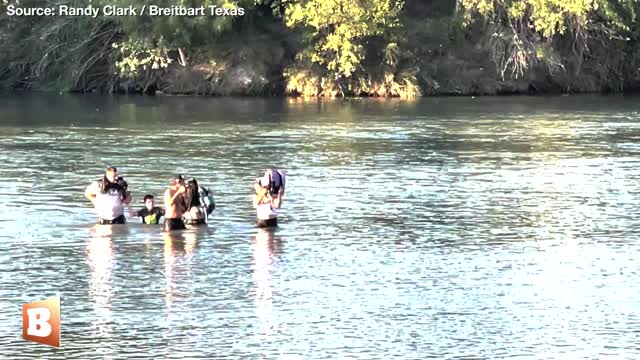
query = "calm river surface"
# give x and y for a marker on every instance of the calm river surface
(443, 228)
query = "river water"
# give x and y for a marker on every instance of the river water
(443, 228)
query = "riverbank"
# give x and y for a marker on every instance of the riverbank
(464, 73)
(472, 80)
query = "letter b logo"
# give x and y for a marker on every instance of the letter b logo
(41, 322)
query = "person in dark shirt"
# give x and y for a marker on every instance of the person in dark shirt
(150, 214)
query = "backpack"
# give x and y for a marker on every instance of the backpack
(206, 198)
(119, 185)
(276, 181)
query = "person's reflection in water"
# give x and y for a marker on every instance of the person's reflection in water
(266, 247)
(176, 245)
(100, 255)
(179, 312)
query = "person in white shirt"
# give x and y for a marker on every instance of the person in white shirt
(109, 196)
(269, 190)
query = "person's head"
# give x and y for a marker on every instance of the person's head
(111, 173)
(193, 185)
(177, 181)
(265, 180)
(149, 202)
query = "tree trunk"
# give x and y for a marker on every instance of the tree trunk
(183, 59)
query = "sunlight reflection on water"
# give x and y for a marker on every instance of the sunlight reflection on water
(442, 228)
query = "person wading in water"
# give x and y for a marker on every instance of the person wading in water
(267, 199)
(175, 204)
(109, 195)
(151, 213)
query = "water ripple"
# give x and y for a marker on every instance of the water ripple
(444, 228)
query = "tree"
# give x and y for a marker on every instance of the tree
(336, 32)
(524, 30)
(52, 52)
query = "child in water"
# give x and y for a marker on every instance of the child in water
(150, 214)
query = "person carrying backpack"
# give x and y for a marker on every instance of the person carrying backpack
(267, 199)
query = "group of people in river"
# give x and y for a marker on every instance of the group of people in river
(186, 203)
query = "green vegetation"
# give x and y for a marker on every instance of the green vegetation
(328, 48)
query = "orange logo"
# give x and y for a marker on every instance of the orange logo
(41, 322)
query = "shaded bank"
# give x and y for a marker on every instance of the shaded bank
(324, 48)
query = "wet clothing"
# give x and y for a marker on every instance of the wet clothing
(173, 224)
(119, 185)
(200, 197)
(151, 217)
(109, 205)
(273, 182)
(267, 216)
(119, 220)
(195, 222)
(200, 205)
(265, 211)
(195, 216)
(267, 223)
(109, 197)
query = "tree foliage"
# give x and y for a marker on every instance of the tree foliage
(338, 29)
(175, 31)
(523, 30)
(52, 52)
(327, 47)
